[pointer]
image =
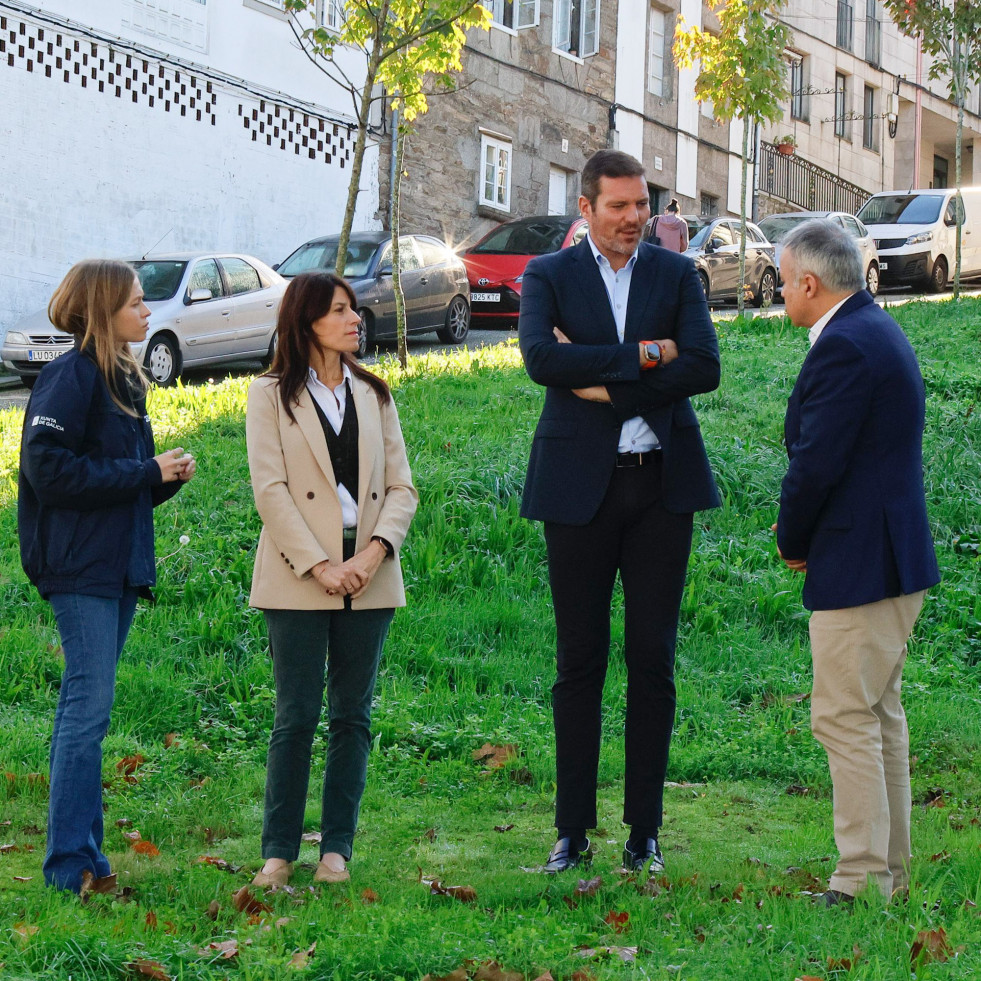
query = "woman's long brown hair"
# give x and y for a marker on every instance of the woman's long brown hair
(92, 292)
(308, 298)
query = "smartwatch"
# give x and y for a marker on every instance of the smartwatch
(652, 352)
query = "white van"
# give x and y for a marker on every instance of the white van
(915, 233)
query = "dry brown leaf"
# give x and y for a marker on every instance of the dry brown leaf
(930, 945)
(796, 790)
(148, 969)
(943, 856)
(226, 949)
(460, 974)
(626, 954)
(466, 894)
(132, 835)
(312, 836)
(245, 902)
(846, 963)
(503, 827)
(302, 958)
(128, 765)
(619, 921)
(104, 885)
(6, 849)
(581, 976)
(218, 863)
(123, 823)
(369, 896)
(492, 971)
(214, 908)
(25, 930)
(547, 976)
(171, 739)
(147, 848)
(588, 887)
(22, 878)
(494, 757)
(150, 920)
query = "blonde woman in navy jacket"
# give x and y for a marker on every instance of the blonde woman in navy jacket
(333, 488)
(89, 480)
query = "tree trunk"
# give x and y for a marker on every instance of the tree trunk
(396, 270)
(742, 220)
(960, 87)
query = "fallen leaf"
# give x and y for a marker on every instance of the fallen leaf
(619, 921)
(588, 887)
(430, 834)
(218, 863)
(796, 790)
(32, 829)
(128, 765)
(626, 954)
(494, 757)
(581, 976)
(930, 945)
(150, 920)
(503, 827)
(226, 949)
(104, 885)
(148, 969)
(521, 775)
(369, 896)
(547, 976)
(123, 823)
(132, 835)
(301, 958)
(940, 857)
(460, 974)
(147, 848)
(245, 902)
(492, 971)
(313, 836)
(25, 930)
(213, 909)
(845, 963)
(22, 878)
(7, 849)
(466, 894)
(171, 740)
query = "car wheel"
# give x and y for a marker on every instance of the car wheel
(28, 381)
(704, 280)
(271, 353)
(763, 297)
(457, 324)
(366, 332)
(938, 276)
(872, 278)
(163, 360)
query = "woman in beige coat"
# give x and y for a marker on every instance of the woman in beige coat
(333, 488)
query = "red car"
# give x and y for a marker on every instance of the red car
(496, 264)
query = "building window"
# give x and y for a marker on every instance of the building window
(183, 22)
(576, 27)
(709, 205)
(332, 14)
(846, 24)
(513, 13)
(799, 100)
(495, 178)
(841, 105)
(873, 33)
(655, 56)
(870, 131)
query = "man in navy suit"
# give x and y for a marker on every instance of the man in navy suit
(853, 518)
(620, 334)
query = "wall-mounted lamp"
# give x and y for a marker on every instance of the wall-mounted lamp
(892, 108)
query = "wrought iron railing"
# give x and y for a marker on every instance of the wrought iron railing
(804, 184)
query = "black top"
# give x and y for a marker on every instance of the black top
(343, 446)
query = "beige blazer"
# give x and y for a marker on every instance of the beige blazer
(296, 497)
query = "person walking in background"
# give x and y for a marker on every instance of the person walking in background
(853, 518)
(333, 488)
(669, 230)
(617, 469)
(89, 481)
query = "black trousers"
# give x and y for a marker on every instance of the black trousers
(634, 535)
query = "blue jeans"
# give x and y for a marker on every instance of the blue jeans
(299, 641)
(93, 630)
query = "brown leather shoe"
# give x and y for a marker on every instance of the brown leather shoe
(332, 869)
(275, 879)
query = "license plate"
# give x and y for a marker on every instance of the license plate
(883, 265)
(48, 354)
(485, 297)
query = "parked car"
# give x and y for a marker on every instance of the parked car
(777, 227)
(915, 233)
(434, 283)
(496, 264)
(205, 307)
(714, 248)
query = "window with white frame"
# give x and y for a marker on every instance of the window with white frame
(576, 28)
(513, 13)
(332, 14)
(495, 176)
(655, 54)
(799, 97)
(184, 22)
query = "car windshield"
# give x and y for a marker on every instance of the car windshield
(776, 228)
(323, 255)
(524, 238)
(160, 279)
(700, 237)
(902, 209)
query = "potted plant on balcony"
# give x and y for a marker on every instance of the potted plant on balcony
(786, 145)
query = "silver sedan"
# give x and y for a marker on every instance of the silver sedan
(205, 308)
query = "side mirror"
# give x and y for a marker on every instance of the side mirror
(386, 270)
(196, 296)
(275, 266)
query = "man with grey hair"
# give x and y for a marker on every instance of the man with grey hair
(853, 518)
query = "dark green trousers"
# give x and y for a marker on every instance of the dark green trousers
(302, 642)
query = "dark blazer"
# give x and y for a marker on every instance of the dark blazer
(573, 454)
(852, 502)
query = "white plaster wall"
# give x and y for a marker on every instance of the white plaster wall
(689, 112)
(630, 84)
(85, 173)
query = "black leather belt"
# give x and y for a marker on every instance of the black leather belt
(350, 534)
(639, 459)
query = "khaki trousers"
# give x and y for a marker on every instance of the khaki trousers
(856, 715)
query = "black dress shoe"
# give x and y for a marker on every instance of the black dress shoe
(636, 856)
(833, 897)
(563, 856)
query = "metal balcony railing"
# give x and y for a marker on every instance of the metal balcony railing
(801, 183)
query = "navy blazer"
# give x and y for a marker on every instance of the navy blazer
(574, 450)
(852, 503)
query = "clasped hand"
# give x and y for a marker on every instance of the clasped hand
(352, 577)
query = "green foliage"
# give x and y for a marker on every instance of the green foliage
(747, 830)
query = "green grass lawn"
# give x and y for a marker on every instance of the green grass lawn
(747, 833)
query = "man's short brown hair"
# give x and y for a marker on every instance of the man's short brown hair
(607, 163)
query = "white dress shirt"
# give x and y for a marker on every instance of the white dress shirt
(635, 435)
(815, 332)
(332, 402)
